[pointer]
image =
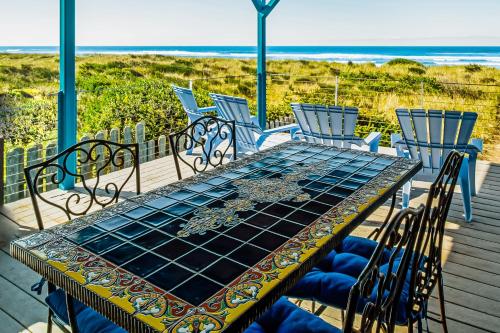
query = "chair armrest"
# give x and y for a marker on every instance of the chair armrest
(207, 109)
(255, 120)
(396, 139)
(373, 140)
(281, 129)
(477, 144)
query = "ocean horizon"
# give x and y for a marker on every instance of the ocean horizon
(428, 55)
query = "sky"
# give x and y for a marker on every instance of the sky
(233, 22)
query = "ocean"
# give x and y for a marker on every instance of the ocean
(428, 55)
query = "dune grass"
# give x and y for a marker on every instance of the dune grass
(119, 90)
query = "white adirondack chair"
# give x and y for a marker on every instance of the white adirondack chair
(191, 108)
(430, 136)
(332, 125)
(249, 135)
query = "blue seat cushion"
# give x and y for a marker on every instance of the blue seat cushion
(286, 317)
(330, 282)
(87, 320)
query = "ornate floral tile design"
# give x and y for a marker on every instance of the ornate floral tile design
(203, 253)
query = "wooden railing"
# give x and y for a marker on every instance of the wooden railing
(13, 162)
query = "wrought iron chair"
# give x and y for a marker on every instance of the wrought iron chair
(330, 282)
(103, 154)
(250, 136)
(190, 106)
(376, 293)
(430, 136)
(332, 125)
(208, 133)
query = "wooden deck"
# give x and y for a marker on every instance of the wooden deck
(472, 255)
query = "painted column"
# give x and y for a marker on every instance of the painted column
(263, 10)
(261, 70)
(67, 114)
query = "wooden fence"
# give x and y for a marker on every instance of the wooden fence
(13, 162)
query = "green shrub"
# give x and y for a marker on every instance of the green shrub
(404, 61)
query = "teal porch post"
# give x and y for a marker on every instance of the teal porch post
(67, 122)
(263, 10)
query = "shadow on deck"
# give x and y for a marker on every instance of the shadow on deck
(472, 254)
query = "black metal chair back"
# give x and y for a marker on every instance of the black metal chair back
(429, 272)
(208, 133)
(101, 153)
(379, 291)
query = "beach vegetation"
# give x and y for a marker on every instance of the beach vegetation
(120, 90)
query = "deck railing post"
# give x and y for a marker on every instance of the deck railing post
(336, 90)
(422, 94)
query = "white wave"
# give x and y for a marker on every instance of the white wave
(444, 58)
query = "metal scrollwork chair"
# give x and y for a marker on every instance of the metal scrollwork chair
(329, 282)
(216, 138)
(63, 309)
(186, 97)
(376, 293)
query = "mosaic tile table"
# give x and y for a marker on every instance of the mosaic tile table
(212, 252)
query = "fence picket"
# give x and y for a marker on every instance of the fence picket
(34, 156)
(127, 138)
(114, 136)
(162, 146)
(151, 150)
(50, 151)
(140, 138)
(85, 167)
(100, 155)
(14, 182)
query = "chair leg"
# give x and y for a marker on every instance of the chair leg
(472, 174)
(420, 327)
(406, 195)
(410, 326)
(49, 322)
(71, 313)
(441, 304)
(465, 187)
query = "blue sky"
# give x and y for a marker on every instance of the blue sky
(233, 22)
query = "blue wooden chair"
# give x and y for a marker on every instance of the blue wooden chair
(375, 293)
(430, 136)
(250, 136)
(191, 108)
(331, 281)
(332, 125)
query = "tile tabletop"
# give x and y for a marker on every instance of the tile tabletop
(213, 251)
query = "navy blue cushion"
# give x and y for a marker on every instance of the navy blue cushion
(87, 319)
(332, 279)
(286, 317)
(57, 303)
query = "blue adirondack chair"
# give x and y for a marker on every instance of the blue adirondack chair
(430, 136)
(331, 125)
(249, 135)
(191, 108)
